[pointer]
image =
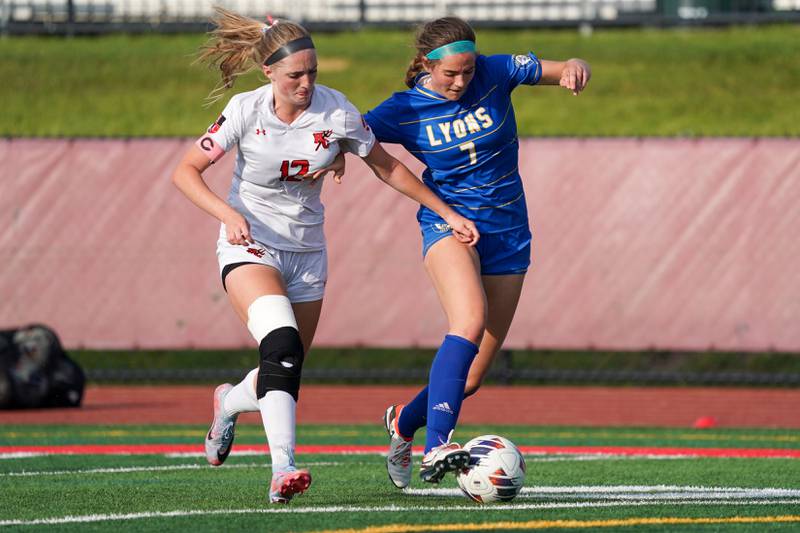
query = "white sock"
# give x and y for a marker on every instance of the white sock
(278, 415)
(242, 397)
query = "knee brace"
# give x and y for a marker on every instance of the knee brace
(271, 321)
(280, 363)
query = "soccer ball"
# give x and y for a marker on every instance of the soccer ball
(496, 470)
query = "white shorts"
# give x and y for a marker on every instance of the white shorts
(304, 273)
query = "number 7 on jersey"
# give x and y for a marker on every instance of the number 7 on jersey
(470, 147)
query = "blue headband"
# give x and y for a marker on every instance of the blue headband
(458, 47)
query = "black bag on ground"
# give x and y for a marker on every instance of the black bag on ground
(35, 371)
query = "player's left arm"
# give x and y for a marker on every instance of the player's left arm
(573, 74)
(337, 166)
(396, 175)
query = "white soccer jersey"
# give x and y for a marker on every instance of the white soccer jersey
(271, 185)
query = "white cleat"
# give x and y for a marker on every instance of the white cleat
(286, 484)
(448, 457)
(398, 460)
(219, 439)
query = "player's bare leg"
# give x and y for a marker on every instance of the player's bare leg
(454, 269)
(502, 297)
(241, 398)
(258, 294)
(244, 285)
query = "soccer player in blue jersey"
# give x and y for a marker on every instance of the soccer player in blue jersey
(457, 118)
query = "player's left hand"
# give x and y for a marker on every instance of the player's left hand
(336, 166)
(575, 75)
(463, 229)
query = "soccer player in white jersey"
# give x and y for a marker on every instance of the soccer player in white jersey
(271, 246)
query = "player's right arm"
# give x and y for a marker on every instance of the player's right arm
(222, 136)
(188, 178)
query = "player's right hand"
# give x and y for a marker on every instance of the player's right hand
(463, 229)
(237, 229)
(336, 166)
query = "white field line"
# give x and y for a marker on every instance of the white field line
(162, 468)
(22, 455)
(530, 457)
(633, 492)
(261, 452)
(555, 458)
(381, 509)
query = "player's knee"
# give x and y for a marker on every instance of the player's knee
(470, 328)
(271, 322)
(281, 362)
(468, 321)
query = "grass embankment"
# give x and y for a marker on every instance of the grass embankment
(678, 82)
(553, 361)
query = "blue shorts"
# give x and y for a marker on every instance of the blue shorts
(506, 252)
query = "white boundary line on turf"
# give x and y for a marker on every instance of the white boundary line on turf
(162, 468)
(633, 492)
(22, 455)
(381, 509)
(560, 457)
(531, 458)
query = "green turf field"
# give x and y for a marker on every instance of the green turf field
(677, 82)
(575, 492)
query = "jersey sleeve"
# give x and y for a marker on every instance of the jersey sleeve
(358, 136)
(383, 121)
(520, 69)
(224, 133)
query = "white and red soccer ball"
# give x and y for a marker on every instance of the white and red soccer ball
(496, 470)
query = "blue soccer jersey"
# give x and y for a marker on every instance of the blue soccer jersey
(469, 146)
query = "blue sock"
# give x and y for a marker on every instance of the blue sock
(414, 415)
(446, 387)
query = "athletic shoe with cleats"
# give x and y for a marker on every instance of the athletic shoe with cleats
(219, 439)
(288, 483)
(449, 457)
(398, 460)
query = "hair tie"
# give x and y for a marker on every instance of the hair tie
(270, 23)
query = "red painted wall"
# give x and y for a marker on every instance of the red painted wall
(675, 244)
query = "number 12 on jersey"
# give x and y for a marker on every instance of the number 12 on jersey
(302, 164)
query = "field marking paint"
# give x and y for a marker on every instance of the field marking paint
(632, 451)
(538, 458)
(569, 524)
(240, 453)
(633, 492)
(22, 455)
(117, 470)
(81, 519)
(704, 435)
(163, 468)
(253, 429)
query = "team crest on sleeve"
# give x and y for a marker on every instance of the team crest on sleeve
(322, 138)
(521, 60)
(217, 124)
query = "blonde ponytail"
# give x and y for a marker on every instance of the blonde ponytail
(239, 45)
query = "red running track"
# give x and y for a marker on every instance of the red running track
(319, 404)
